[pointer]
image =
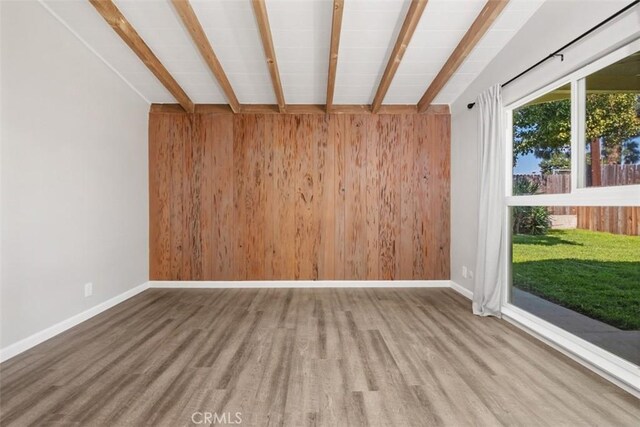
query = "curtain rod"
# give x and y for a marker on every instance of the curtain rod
(557, 52)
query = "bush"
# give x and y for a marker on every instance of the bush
(532, 220)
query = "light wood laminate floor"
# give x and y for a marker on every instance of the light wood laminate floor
(387, 357)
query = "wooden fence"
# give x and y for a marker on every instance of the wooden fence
(557, 184)
(612, 219)
(617, 175)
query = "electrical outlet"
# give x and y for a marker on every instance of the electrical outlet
(88, 289)
(464, 271)
(470, 274)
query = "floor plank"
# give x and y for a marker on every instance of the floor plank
(408, 357)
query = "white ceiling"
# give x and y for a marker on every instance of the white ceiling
(301, 35)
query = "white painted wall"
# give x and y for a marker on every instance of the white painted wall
(74, 197)
(556, 23)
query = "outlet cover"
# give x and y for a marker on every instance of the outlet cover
(88, 289)
(464, 271)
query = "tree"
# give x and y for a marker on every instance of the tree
(631, 153)
(557, 161)
(542, 129)
(613, 120)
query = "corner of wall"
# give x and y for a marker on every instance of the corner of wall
(80, 156)
(25, 344)
(88, 46)
(461, 290)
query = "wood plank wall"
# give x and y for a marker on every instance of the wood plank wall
(299, 197)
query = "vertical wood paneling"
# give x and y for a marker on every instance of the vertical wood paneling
(309, 196)
(372, 211)
(185, 194)
(305, 240)
(271, 203)
(218, 133)
(389, 193)
(445, 200)
(180, 133)
(406, 252)
(159, 196)
(422, 212)
(285, 196)
(241, 126)
(431, 190)
(439, 162)
(325, 210)
(355, 198)
(256, 247)
(337, 135)
(204, 128)
(252, 241)
(191, 199)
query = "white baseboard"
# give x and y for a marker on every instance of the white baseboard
(303, 284)
(461, 290)
(623, 374)
(611, 367)
(25, 344)
(39, 337)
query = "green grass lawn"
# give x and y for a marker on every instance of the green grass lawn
(596, 274)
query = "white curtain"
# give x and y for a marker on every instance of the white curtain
(487, 294)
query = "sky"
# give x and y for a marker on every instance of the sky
(527, 164)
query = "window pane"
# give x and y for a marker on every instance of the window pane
(613, 124)
(579, 269)
(542, 144)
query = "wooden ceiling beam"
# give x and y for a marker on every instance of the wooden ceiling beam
(108, 10)
(402, 42)
(299, 109)
(199, 108)
(260, 109)
(482, 23)
(260, 10)
(193, 26)
(336, 26)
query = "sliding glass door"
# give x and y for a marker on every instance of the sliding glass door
(581, 272)
(573, 198)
